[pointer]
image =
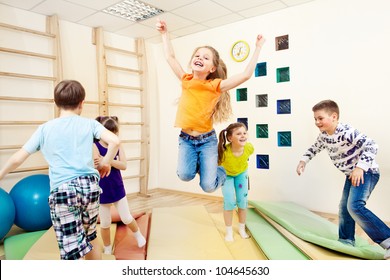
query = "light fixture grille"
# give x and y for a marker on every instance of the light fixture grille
(133, 10)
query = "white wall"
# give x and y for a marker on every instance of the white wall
(338, 50)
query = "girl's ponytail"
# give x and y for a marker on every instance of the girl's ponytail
(221, 145)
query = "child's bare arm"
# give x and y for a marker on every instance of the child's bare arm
(121, 162)
(96, 156)
(14, 162)
(161, 26)
(113, 142)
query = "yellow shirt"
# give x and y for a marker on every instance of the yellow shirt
(236, 165)
(197, 103)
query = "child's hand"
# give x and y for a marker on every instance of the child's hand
(161, 26)
(104, 169)
(260, 40)
(301, 167)
(357, 177)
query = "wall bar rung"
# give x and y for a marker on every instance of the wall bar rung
(122, 51)
(133, 177)
(26, 99)
(30, 99)
(18, 28)
(21, 122)
(132, 123)
(124, 87)
(124, 69)
(41, 55)
(92, 102)
(132, 141)
(29, 169)
(10, 147)
(26, 76)
(135, 158)
(125, 105)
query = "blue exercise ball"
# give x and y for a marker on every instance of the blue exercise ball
(7, 213)
(30, 196)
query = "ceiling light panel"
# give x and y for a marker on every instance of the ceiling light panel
(133, 10)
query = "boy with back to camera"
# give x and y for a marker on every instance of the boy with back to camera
(353, 153)
(66, 143)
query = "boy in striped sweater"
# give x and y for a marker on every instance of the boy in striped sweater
(353, 153)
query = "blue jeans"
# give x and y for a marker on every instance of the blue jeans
(353, 209)
(235, 191)
(200, 155)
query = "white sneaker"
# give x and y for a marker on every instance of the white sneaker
(243, 234)
(141, 241)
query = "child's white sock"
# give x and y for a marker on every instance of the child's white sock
(241, 231)
(229, 234)
(140, 239)
(107, 250)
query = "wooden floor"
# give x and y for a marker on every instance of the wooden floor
(165, 198)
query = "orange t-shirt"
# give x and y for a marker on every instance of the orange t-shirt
(197, 103)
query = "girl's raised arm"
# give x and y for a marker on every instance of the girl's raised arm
(238, 79)
(161, 26)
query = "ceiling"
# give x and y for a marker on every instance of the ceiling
(183, 17)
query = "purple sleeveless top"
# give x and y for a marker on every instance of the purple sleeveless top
(112, 185)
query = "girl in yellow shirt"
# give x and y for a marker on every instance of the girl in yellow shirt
(234, 158)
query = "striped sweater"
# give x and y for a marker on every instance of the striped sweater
(347, 148)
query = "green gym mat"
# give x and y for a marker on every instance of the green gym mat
(270, 241)
(315, 229)
(17, 246)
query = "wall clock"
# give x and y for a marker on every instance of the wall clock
(240, 51)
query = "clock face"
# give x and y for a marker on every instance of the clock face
(240, 51)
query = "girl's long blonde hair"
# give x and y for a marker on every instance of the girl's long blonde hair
(223, 109)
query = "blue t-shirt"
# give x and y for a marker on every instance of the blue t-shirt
(66, 143)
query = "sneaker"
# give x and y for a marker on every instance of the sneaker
(141, 241)
(387, 254)
(107, 250)
(243, 234)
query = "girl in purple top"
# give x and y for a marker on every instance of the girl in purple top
(113, 189)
